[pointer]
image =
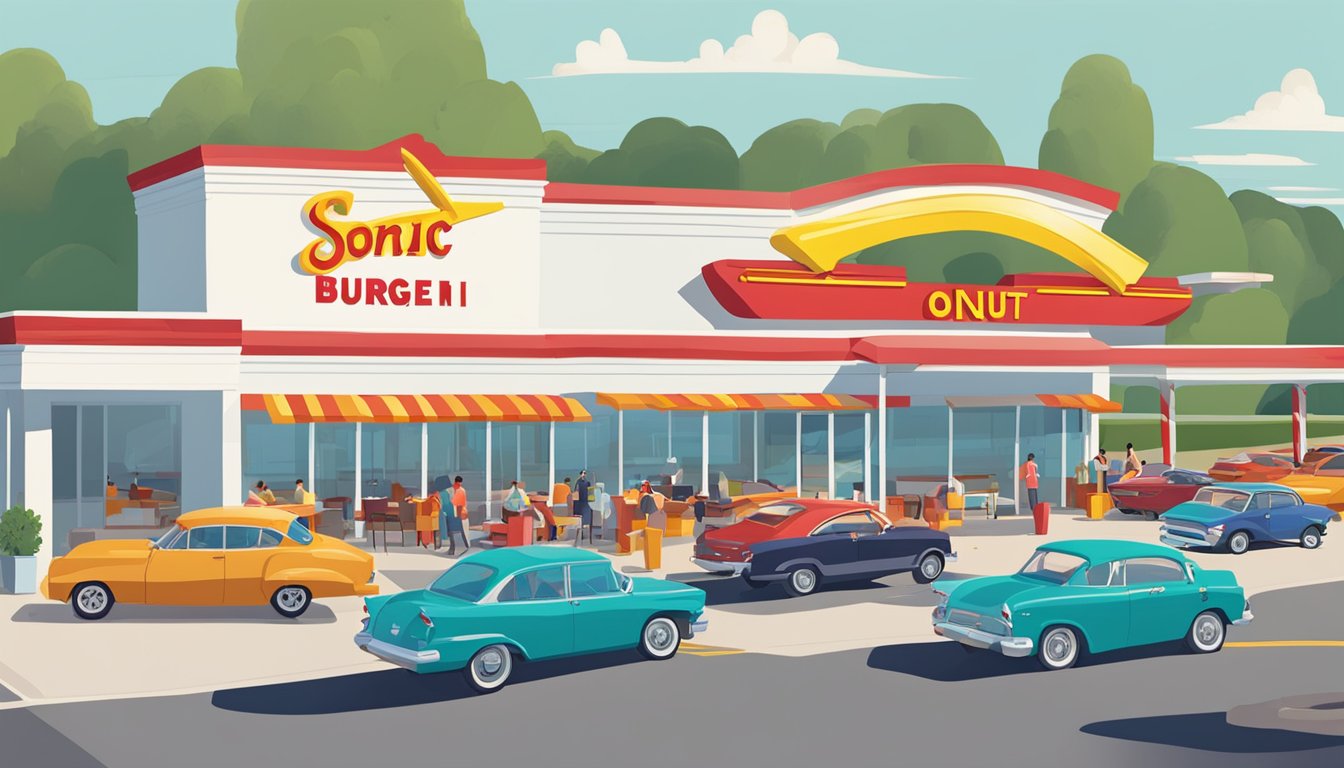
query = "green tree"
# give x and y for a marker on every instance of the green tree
(977, 267)
(922, 134)
(665, 152)
(787, 157)
(1181, 222)
(565, 160)
(1101, 127)
(1252, 316)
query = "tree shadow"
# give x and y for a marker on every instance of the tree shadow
(53, 613)
(391, 688)
(946, 661)
(1208, 732)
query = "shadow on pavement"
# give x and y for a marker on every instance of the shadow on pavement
(54, 613)
(393, 688)
(1210, 732)
(732, 594)
(945, 661)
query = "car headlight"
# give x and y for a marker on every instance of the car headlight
(1218, 529)
(746, 555)
(1007, 614)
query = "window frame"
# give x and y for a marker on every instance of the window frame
(1115, 574)
(498, 590)
(256, 540)
(871, 518)
(569, 581)
(220, 548)
(1179, 567)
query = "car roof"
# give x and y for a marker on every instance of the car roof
(817, 511)
(1106, 550)
(509, 559)
(264, 516)
(1253, 487)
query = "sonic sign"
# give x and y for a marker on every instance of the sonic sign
(417, 234)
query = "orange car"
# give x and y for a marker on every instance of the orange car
(1320, 483)
(222, 556)
(1252, 468)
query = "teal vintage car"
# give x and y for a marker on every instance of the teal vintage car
(1076, 597)
(494, 607)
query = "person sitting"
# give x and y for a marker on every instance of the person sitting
(299, 491)
(254, 497)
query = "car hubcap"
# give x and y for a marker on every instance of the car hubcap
(92, 599)
(659, 636)
(489, 665)
(931, 567)
(1207, 631)
(804, 581)
(291, 599)
(1059, 647)
(1239, 543)
(1310, 540)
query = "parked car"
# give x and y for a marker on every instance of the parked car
(1321, 452)
(1078, 597)
(1320, 481)
(1252, 468)
(803, 542)
(1153, 492)
(220, 556)
(1229, 516)
(495, 607)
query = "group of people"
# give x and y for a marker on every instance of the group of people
(452, 503)
(1030, 473)
(261, 495)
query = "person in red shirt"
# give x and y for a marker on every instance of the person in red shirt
(1032, 475)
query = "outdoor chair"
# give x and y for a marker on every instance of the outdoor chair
(378, 515)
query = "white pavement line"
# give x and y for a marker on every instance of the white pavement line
(17, 684)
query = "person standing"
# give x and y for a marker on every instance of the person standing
(579, 506)
(1103, 467)
(1132, 465)
(299, 491)
(453, 506)
(1032, 475)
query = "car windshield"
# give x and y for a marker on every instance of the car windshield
(465, 581)
(1054, 567)
(167, 538)
(298, 533)
(775, 513)
(1223, 497)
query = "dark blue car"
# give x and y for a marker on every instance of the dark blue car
(1229, 516)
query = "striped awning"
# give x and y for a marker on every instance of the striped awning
(415, 409)
(1085, 402)
(755, 402)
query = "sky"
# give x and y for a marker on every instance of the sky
(1200, 61)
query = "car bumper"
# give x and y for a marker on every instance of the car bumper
(720, 566)
(699, 626)
(1172, 540)
(402, 657)
(363, 590)
(1008, 646)
(1246, 618)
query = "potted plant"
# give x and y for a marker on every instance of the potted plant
(20, 538)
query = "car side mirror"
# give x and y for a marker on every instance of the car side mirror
(627, 584)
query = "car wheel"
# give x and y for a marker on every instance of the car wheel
(91, 600)
(1149, 515)
(1311, 538)
(929, 569)
(291, 601)
(1059, 648)
(755, 583)
(660, 639)
(1238, 542)
(802, 580)
(489, 668)
(1207, 633)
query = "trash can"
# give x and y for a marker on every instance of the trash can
(653, 548)
(1097, 504)
(1041, 514)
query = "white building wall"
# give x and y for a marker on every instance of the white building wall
(171, 231)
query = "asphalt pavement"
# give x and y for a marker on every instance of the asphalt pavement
(922, 704)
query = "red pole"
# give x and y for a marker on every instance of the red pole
(1299, 422)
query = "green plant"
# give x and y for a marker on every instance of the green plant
(20, 532)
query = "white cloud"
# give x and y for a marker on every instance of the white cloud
(770, 47)
(1250, 158)
(1296, 106)
(1303, 189)
(1311, 200)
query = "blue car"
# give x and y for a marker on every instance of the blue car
(1229, 516)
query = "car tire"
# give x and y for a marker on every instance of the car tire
(754, 583)
(1238, 542)
(1148, 514)
(91, 600)
(489, 668)
(291, 600)
(1207, 633)
(659, 639)
(1060, 648)
(1311, 538)
(802, 581)
(928, 570)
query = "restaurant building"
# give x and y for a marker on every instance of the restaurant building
(354, 320)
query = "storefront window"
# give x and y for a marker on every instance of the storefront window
(732, 445)
(588, 445)
(1041, 429)
(334, 463)
(849, 454)
(520, 452)
(982, 447)
(648, 447)
(458, 449)
(779, 449)
(916, 448)
(815, 455)
(688, 447)
(390, 454)
(274, 453)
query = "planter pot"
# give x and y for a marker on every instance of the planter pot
(18, 574)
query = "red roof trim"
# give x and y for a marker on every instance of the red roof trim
(1177, 356)
(914, 176)
(120, 331)
(384, 158)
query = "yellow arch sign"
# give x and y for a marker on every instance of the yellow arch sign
(820, 245)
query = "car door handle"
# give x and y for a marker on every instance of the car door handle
(1266, 515)
(573, 602)
(1157, 590)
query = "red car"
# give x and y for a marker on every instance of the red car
(1252, 468)
(723, 550)
(1157, 489)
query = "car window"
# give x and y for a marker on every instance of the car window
(1335, 463)
(539, 584)
(464, 581)
(207, 537)
(1100, 575)
(591, 579)
(299, 533)
(774, 514)
(1153, 570)
(861, 523)
(1226, 498)
(165, 541)
(1262, 501)
(270, 538)
(1054, 567)
(241, 537)
(1281, 500)
(1264, 461)
(177, 542)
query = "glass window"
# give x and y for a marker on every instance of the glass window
(589, 579)
(207, 537)
(275, 453)
(1282, 500)
(539, 584)
(983, 451)
(165, 541)
(241, 537)
(299, 533)
(861, 523)
(334, 463)
(1153, 570)
(270, 538)
(459, 449)
(391, 454)
(778, 449)
(1335, 463)
(774, 514)
(464, 581)
(732, 440)
(1054, 567)
(1226, 498)
(1100, 575)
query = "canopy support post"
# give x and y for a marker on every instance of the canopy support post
(1017, 458)
(882, 439)
(704, 452)
(830, 454)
